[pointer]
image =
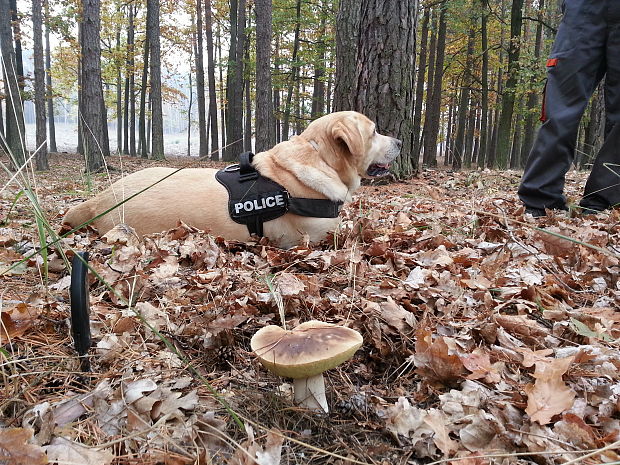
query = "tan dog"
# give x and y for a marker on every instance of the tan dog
(327, 161)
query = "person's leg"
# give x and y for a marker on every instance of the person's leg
(602, 189)
(575, 68)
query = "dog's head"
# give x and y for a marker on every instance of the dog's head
(356, 141)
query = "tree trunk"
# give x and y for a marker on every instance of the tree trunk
(265, 120)
(14, 111)
(189, 112)
(92, 93)
(222, 94)
(144, 151)
(419, 92)
(203, 147)
(592, 139)
(215, 146)
(48, 79)
(247, 114)
(234, 88)
(39, 86)
(318, 91)
(508, 97)
(128, 73)
(484, 115)
(294, 75)
(276, 95)
(157, 122)
(119, 92)
(459, 143)
(433, 112)
(532, 99)
(375, 50)
(17, 36)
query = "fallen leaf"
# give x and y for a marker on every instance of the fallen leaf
(17, 320)
(15, 450)
(63, 451)
(549, 395)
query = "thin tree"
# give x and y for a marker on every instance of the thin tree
(532, 98)
(17, 37)
(433, 107)
(484, 116)
(48, 83)
(215, 146)
(234, 86)
(39, 86)
(203, 148)
(375, 50)
(504, 138)
(144, 149)
(459, 143)
(157, 122)
(14, 129)
(119, 91)
(93, 120)
(294, 74)
(265, 120)
(419, 90)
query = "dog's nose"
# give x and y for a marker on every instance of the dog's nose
(399, 143)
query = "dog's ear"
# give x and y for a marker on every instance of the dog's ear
(348, 133)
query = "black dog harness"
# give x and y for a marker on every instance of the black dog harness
(254, 199)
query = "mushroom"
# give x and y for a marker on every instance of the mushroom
(303, 354)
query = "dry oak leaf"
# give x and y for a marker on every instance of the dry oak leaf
(63, 451)
(479, 363)
(16, 321)
(437, 420)
(289, 284)
(549, 395)
(15, 450)
(434, 360)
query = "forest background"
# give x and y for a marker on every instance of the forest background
(471, 84)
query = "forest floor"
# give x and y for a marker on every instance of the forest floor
(489, 337)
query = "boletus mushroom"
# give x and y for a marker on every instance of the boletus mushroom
(303, 354)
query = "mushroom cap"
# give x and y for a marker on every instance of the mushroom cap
(311, 348)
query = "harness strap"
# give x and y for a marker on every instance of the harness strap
(316, 208)
(254, 203)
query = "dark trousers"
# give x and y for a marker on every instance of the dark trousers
(586, 48)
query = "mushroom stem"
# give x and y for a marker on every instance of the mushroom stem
(310, 393)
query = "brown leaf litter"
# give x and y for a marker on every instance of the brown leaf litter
(487, 339)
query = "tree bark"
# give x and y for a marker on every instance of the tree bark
(92, 93)
(484, 116)
(459, 144)
(433, 107)
(375, 50)
(203, 147)
(265, 120)
(234, 88)
(39, 86)
(215, 146)
(508, 97)
(318, 91)
(419, 92)
(17, 36)
(48, 82)
(144, 150)
(157, 122)
(119, 92)
(532, 99)
(294, 75)
(14, 111)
